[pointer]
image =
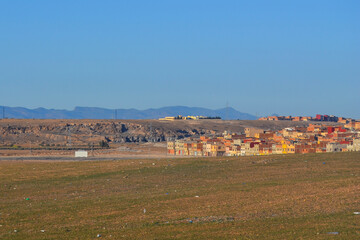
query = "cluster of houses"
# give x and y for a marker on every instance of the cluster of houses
(180, 117)
(316, 138)
(318, 117)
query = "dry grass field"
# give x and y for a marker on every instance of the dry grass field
(310, 196)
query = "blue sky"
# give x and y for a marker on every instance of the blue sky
(262, 57)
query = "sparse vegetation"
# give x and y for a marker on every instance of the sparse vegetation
(104, 144)
(14, 146)
(262, 197)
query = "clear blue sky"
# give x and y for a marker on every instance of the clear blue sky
(287, 57)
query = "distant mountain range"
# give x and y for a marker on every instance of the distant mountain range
(103, 113)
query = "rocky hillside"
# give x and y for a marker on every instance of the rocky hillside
(85, 132)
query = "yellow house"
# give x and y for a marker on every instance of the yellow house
(277, 149)
(288, 148)
(179, 148)
(217, 150)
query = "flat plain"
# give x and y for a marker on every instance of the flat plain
(313, 196)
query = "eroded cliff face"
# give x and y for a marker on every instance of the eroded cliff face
(87, 132)
(82, 132)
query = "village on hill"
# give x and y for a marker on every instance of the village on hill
(318, 118)
(318, 137)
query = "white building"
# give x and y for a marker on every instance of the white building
(335, 147)
(355, 146)
(81, 153)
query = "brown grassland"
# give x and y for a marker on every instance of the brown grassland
(310, 196)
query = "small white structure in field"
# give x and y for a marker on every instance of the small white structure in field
(81, 153)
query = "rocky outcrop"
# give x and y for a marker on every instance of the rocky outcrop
(86, 132)
(82, 132)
